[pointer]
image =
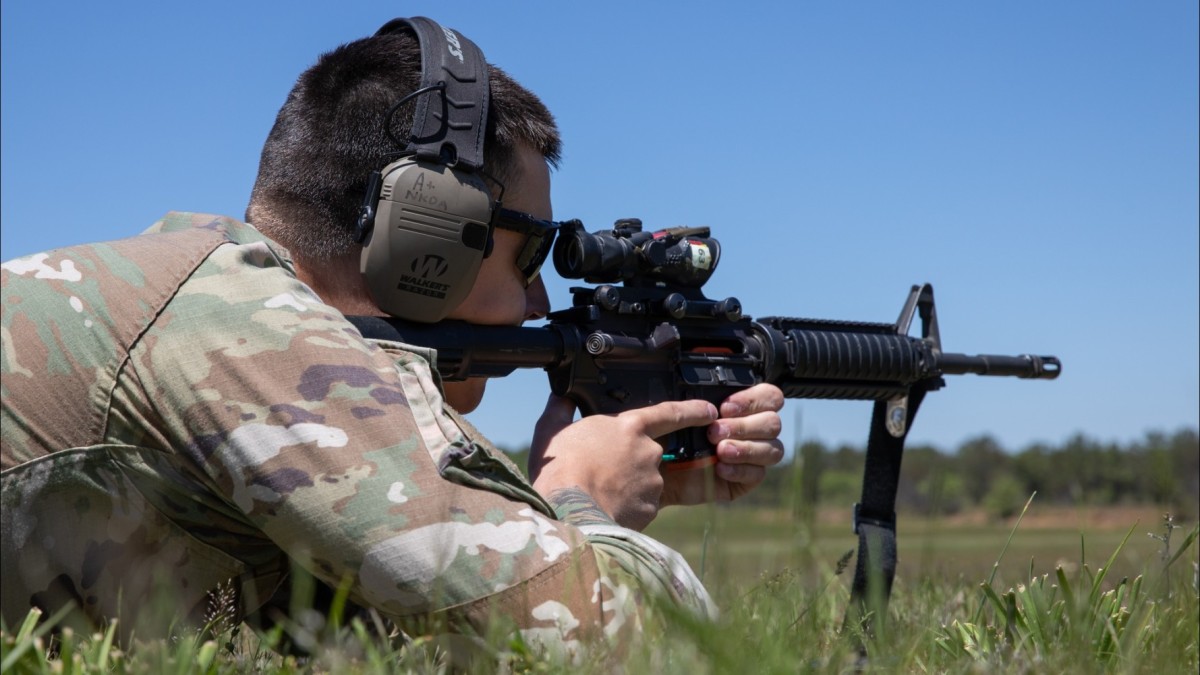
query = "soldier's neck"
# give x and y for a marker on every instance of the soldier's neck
(338, 283)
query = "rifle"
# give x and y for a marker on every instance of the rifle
(656, 337)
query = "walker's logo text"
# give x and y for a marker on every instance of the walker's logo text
(424, 270)
(454, 47)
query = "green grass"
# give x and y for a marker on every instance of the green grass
(969, 597)
(739, 542)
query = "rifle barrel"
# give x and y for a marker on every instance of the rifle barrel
(869, 361)
(1023, 366)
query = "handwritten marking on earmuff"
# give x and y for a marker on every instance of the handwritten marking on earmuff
(420, 191)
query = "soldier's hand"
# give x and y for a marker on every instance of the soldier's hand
(613, 458)
(747, 441)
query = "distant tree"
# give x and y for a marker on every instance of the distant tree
(1034, 467)
(1161, 469)
(1184, 448)
(845, 458)
(980, 460)
(840, 488)
(812, 458)
(1171, 475)
(1077, 462)
(1005, 496)
(942, 494)
(1158, 480)
(921, 463)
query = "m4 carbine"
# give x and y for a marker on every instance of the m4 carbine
(656, 338)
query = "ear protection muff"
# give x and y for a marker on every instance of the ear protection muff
(426, 221)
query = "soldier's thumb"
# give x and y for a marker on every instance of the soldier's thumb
(669, 416)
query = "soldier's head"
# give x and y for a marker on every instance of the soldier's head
(329, 136)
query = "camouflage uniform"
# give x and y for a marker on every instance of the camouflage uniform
(180, 412)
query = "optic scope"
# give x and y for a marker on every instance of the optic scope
(684, 256)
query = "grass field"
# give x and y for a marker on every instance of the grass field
(736, 544)
(1075, 591)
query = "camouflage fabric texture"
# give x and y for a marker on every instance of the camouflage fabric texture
(179, 413)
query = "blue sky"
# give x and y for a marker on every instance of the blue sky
(1036, 162)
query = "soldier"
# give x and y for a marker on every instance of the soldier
(188, 411)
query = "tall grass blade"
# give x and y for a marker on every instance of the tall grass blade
(1007, 542)
(28, 625)
(27, 635)
(1103, 571)
(1065, 585)
(996, 565)
(990, 594)
(106, 646)
(1183, 546)
(206, 656)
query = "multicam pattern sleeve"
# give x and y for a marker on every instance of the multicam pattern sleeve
(244, 426)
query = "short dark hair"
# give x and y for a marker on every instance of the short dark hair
(329, 137)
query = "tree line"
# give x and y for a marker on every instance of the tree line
(1160, 468)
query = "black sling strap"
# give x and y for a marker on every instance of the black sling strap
(875, 514)
(875, 519)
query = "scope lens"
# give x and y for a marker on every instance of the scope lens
(572, 258)
(570, 251)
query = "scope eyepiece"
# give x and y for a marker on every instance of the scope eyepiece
(682, 256)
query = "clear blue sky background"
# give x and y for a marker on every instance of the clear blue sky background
(1035, 161)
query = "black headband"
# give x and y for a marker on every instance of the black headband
(452, 132)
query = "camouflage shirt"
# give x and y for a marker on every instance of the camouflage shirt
(180, 413)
